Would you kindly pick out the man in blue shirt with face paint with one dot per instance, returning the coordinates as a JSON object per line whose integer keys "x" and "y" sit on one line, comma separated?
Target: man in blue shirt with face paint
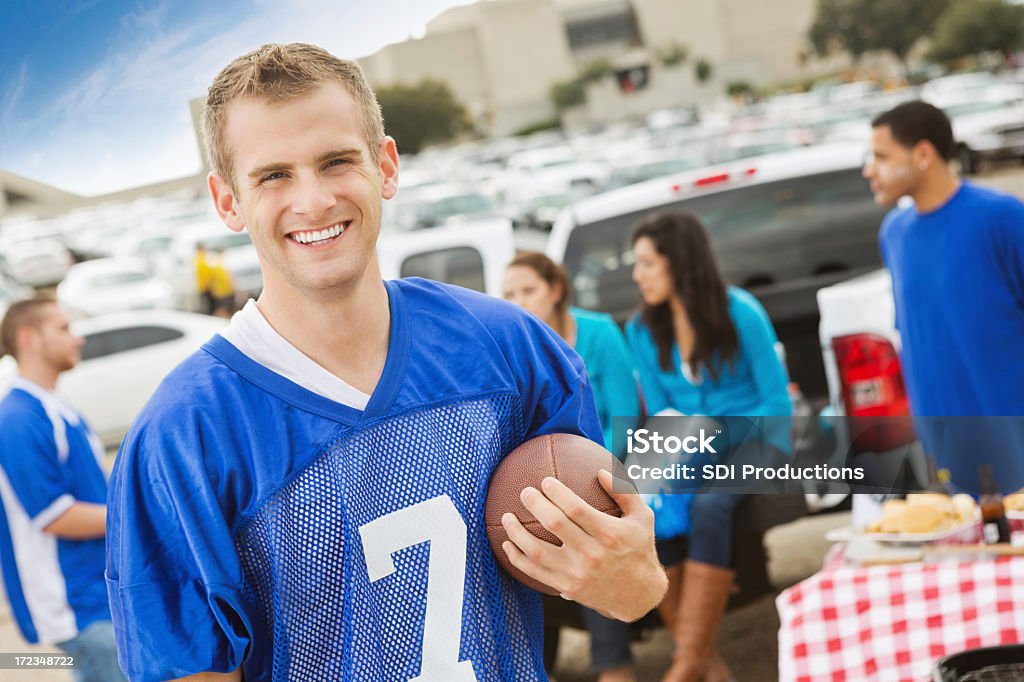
{"x": 957, "y": 262}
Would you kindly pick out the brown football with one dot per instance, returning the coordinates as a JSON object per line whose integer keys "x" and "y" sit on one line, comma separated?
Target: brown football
{"x": 573, "y": 460}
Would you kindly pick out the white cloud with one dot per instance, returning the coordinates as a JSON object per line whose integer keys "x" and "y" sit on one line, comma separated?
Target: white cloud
{"x": 10, "y": 128}
{"x": 125, "y": 122}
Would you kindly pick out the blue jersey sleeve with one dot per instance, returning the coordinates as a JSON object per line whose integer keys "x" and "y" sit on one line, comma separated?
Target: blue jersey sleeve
{"x": 555, "y": 388}
{"x": 28, "y": 454}
{"x": 553, "y": 385}
{"x": 173, "y": 574}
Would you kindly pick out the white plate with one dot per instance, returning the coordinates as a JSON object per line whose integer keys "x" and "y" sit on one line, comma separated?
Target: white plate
{"x": 1015, "y": 514}
{"x": 915, "y": 538}
{"x": 842, "y": 534}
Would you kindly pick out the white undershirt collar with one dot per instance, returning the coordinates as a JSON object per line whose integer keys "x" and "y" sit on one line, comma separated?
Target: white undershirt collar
{"x": 250, "y": 333}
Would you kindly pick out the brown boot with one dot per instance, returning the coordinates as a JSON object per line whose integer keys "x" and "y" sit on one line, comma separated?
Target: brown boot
{"x": 706, "y": 590}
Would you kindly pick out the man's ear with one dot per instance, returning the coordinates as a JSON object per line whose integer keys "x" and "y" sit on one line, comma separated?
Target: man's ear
{"x": 388, "y": 167}
{"x": 25, "y": 338}
{"x": 924, "y": 155}
{"x": 225, "y": 201}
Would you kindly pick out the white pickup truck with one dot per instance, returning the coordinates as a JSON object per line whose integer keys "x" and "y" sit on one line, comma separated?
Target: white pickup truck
{"x": 860, "y": 347}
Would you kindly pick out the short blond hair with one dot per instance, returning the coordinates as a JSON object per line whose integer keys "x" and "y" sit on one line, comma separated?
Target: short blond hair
{"x": 277, "y": 73}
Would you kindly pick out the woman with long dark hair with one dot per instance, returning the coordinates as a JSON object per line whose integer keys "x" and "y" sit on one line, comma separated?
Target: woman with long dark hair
{"x": 701, "y": 347}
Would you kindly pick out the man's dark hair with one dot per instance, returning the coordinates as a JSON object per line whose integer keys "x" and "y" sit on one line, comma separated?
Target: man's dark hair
{"x": 26, "y": 313}
{"x": 912, "y": 122}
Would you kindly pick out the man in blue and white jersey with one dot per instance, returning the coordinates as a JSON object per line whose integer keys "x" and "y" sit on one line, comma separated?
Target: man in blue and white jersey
{"x": 303, "y": 498}
{"x": 53, "y": 498}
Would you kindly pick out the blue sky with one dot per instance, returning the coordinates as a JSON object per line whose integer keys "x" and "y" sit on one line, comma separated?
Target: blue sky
{"x": 94, "y": 93}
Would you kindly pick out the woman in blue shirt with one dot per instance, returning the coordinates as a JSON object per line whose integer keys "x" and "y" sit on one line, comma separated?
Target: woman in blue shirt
{"x": 538, "y": 284}
{"x": 701, "y": 347}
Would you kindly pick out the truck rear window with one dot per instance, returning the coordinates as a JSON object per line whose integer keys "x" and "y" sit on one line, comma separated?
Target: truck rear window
{"x": 763, "y": 234}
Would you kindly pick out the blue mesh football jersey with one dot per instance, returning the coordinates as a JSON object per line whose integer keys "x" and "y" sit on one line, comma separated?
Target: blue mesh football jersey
{"x": 255, "y": 523}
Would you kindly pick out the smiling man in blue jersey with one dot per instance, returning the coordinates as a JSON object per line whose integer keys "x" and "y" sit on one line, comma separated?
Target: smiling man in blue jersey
{"x": 303, "y": 498}
{"x": 52, "y": 498}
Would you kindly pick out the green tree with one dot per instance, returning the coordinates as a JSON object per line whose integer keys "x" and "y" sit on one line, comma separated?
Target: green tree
{"x": 596, "y": 70}
{"x": 861, "y": 26}
{"x": 970, "y": 27}
{"x": 567, "y": 94}
{"x": 418, "y": 115}
{"x": 672, "y": 54}
{"x": 702, "y": 70}
{"x": 739, "y": 89}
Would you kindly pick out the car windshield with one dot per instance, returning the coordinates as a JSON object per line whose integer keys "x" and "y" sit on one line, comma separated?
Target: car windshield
{"x": 745, "y": 224}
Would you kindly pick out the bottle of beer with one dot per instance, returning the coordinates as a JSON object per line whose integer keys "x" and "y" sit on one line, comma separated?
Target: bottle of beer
{"x": 995, "y": 526}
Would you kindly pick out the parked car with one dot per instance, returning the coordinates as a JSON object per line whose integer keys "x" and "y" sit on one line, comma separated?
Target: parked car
{"x": 110, "y": 285}
{"x": 990, "y": 131}
{"x": 436, "y": 205}
{"x": 783, "y": 226}
{"x": 474, "y": 257}
{"x": 11, "y": 290}
{"x": 539, "y": 211}
{"x": 246, "y": 276}
{"x": 554, "y": 168}
{"x": 124, "y": 359}
{"x": 38, "y": 262}
{"x": 149, "y": 245}
{"x": 956, "y": 85}
{"x": 653, "y": 166}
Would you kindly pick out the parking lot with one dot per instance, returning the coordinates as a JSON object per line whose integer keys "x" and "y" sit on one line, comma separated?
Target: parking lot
{"x": 748, "y": 636}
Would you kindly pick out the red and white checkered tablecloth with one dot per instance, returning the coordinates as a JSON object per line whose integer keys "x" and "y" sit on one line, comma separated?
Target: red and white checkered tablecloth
{"x": 891, "y": 623}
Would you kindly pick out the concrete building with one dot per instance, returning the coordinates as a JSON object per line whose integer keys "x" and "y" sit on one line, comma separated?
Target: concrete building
{"x": 501, "y": 57}
{"x": 21, "y": 195}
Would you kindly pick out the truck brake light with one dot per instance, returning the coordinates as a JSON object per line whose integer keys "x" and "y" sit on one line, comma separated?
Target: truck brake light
{"x": 872, "y": 385}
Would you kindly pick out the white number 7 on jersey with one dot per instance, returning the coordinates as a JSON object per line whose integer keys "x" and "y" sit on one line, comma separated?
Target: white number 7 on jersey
{"x": 438, "y": 521}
